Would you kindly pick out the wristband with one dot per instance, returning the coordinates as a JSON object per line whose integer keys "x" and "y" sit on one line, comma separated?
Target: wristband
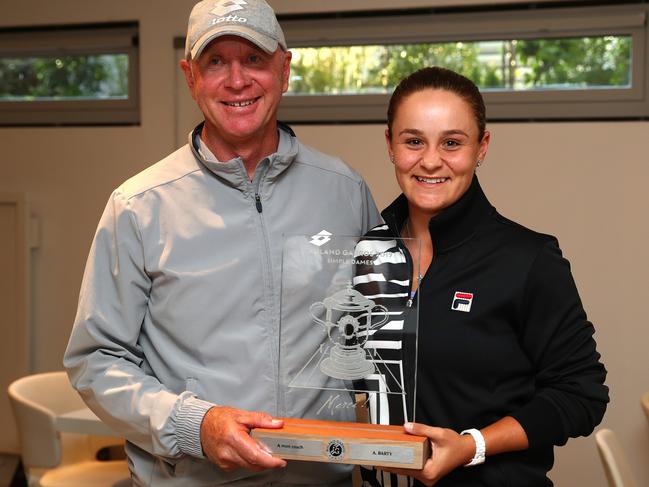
{"x": 480, "y": 447}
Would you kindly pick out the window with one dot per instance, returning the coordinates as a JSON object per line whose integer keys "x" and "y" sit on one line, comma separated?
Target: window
{"x": 530, "y": 63}
{"x": 71, "y": 75}
{"x": 512, "y": 65}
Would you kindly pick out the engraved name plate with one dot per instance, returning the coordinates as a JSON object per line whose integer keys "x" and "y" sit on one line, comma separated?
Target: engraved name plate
{"x": 382, "y": 453}
{"x": 345, "y": 442}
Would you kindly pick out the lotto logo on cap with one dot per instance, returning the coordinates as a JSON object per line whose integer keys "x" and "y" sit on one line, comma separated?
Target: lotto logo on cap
{"x": 462, "y": 301}
{"x": 226, "y": 7}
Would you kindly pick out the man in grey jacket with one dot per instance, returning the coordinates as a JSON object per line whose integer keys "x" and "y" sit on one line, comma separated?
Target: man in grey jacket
{"x": 175, "y": 342}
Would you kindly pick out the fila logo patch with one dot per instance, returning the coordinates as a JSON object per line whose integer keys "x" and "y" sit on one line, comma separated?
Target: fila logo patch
{"x": 462, "y": 301}
{"x": 228, "y": 6}
{"x": 321, "y": 238}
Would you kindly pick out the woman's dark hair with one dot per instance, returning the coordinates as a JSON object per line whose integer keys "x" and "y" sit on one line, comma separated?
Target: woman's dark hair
{"x": 436, "y": 78}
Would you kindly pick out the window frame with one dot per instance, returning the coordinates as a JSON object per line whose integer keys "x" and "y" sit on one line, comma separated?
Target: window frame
{"x": 463, "y": 25}
{"x": 86, "y": 39}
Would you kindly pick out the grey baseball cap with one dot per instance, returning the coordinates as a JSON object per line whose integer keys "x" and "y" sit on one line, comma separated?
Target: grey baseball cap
{"x": 253, "y": 20}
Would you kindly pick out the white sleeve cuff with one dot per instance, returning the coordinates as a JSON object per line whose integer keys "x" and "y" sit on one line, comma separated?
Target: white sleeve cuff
{"x": 188, "y": 425}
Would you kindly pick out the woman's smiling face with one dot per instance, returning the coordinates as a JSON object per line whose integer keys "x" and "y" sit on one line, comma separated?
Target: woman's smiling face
{"x": 435, "y": 147}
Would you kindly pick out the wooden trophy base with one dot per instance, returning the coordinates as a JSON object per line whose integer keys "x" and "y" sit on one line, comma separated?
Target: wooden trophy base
{"x": 356, "y": 443}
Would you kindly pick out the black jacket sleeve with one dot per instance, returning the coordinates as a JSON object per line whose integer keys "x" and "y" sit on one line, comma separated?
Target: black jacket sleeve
{"x": 570, "y": 397}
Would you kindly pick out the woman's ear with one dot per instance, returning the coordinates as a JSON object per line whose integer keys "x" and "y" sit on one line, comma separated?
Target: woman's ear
{"x": 389, "y": 144}
{"x": 484, "y": 145}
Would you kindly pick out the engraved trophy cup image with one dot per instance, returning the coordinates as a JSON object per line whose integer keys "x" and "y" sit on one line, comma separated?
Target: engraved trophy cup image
{"x": 348, "y": 320}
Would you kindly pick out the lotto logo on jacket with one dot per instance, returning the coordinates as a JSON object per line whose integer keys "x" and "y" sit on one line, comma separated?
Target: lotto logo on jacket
{"x": 462, "y": 301}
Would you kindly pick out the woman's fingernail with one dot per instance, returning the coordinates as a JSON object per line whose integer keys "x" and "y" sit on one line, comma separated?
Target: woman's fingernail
{"x": 408, "y": 426}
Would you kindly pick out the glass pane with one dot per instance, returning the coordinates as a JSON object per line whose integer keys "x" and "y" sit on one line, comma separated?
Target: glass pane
{"x": 73, "y": 77}
{"x": 511, "y": 65}
{"x": 347, "y": 355}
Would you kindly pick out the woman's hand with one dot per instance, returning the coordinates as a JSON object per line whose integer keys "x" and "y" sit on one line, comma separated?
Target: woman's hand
{"x": 450, "y": 450}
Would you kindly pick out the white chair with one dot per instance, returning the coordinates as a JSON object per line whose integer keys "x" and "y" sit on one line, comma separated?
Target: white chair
{"x": 617, "y": 468}
{"x": 644, "y": 400}
{"x": 52, "y": 458}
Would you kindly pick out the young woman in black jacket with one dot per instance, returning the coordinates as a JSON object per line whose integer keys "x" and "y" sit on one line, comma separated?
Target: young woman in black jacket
{"x": 507, "y": 365}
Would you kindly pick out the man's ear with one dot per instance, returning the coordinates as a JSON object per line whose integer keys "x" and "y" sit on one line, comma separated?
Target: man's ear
{"x": 286, "y": 70}
{"x": 185, "y": 65}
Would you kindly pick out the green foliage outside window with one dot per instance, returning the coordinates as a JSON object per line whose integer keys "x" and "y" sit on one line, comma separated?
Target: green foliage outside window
{"x": 583, "y": 62}
{"x": 64, "y": 77}
{"x": 573, "y": 63}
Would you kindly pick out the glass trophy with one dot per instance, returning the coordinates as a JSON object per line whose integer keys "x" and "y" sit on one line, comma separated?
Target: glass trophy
{"x": 347, "y": 352}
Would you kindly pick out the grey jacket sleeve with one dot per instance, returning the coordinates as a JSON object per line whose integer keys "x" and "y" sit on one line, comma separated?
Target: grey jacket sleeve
{"x": 103, "y": 358}
{"x": 369, "y": 214}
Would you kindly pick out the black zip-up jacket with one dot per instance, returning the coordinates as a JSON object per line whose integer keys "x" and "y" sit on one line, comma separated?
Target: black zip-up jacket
{"x": 502, "y": 332}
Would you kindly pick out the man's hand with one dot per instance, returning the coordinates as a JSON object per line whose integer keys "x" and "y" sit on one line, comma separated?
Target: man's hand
{"x": 449, "y": 451}
{"x": 226, "y": 441}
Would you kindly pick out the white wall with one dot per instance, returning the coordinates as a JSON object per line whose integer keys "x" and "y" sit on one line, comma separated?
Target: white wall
{"x": 580, "y": 181}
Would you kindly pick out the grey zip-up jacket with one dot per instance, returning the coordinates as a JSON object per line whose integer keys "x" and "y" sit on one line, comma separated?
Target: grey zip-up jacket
{"x": 179, "y": 306}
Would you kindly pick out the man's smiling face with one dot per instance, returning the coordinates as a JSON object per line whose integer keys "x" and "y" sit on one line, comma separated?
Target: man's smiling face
{"x": 238, "y": 87}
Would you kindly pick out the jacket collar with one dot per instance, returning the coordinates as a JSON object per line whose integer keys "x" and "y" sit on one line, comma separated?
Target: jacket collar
{"x": 452, "y": 226}
{"x": 233, "y": 171}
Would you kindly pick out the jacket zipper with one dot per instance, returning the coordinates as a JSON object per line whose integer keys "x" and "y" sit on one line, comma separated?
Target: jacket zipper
{"x": 258, "y": 203}
{"x": 268, "y": 284}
